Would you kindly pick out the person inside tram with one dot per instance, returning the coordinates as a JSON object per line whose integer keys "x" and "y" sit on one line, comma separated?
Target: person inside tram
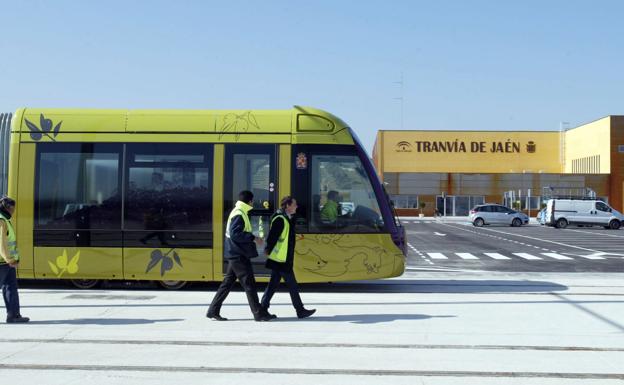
{"x": 331, "y": 211}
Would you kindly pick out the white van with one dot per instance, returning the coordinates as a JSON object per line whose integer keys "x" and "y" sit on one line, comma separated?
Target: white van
{"x": 562, "y": 212}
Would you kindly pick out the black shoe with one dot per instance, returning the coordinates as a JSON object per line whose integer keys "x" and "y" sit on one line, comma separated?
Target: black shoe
{"x": 216, "y": 317}
{"x": 17, "y": 320}
{"x": 305, "y": 313}
{"x": 266, "y": 312}
{"x": 262, "y": 317}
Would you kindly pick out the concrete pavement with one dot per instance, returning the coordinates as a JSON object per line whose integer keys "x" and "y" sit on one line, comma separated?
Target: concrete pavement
{"x": 423, "y": 328}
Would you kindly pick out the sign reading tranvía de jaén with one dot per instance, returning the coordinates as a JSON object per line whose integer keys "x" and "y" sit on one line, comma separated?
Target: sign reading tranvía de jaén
{"x": 456, "y": 146}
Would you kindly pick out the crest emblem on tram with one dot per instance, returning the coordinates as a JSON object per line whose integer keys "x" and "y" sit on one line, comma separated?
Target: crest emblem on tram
{"x": 531, "y": 147}
{"x": 302, "y": 161}
{"x": 403, "y": 146}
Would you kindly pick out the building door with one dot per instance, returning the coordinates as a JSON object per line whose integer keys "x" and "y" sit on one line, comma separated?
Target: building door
{"x": 252, "y": 167}
{"x": 445, "y": 205}
{"x": 462, "y": 206}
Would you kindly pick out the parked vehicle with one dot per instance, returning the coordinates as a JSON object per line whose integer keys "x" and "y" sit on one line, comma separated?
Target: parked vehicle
{"x": 489, "y": 214}
{"x": 586, "y": 212}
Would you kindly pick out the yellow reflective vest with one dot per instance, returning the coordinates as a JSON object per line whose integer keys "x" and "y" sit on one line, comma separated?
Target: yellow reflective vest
{"x": 241, "y": 208}
{"x": 11, "y": 240}
{"x": 280, "y": 250}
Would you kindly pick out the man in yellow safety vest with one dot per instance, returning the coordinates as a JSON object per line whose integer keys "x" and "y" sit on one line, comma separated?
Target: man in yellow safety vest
{"x": 9, "y": 259}
{"x": 280, "y": 251}
{"x": 240, "y": 247}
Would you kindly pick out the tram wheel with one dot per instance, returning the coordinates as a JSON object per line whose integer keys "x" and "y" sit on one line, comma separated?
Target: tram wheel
{"x": 85, "y": 283}
{"x": 172, "y": 285}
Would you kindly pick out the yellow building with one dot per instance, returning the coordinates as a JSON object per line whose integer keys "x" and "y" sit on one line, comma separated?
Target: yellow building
{"x": 452, "y": 171}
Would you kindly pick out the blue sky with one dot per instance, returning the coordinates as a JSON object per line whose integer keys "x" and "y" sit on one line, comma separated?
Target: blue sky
{"x": 486, "y": 65}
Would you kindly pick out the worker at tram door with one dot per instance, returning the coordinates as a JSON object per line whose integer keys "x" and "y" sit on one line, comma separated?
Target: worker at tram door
{"x": 8, "y": 262}
{"x": 240, "y": 248}
{"x": 280, "y": 251}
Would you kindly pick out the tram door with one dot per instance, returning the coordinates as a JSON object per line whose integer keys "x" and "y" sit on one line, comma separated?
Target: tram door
{"x": 252, "y": 167}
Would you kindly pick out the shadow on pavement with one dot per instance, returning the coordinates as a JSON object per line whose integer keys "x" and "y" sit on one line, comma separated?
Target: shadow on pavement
{"x": 364, "y": 318}
{"x": 438, "y": 286}
{"x": 105, "y": 321}
{"x": 379, "y": 286}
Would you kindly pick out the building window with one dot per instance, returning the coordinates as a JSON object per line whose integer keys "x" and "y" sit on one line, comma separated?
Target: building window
{"x": 405, "y": 201}
{"x": 621, "y": 148}
{"x": 531, "y": 203}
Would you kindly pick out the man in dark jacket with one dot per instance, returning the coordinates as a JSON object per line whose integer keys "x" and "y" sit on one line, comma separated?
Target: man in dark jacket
{"x": 240, "y": 247}
{"x": 280, "y": 249}
{"x": 9, "y": 260}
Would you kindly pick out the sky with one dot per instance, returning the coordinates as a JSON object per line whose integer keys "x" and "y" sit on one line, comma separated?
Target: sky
{"x": 465, "y": 65}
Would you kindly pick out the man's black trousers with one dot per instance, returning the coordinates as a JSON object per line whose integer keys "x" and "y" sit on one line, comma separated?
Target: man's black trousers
{"x": 241, "y": 269}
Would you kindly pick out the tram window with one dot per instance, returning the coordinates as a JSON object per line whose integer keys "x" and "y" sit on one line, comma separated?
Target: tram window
{"x": 252, "y": 172}
{"x": 343, "y": 199}
{"x": 78, "y": 186}
{"x": 168, "y": 187}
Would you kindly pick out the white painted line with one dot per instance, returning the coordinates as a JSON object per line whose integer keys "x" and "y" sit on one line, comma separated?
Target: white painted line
{"x": 592, "y": 256}
{"x": 466, "y": 256}
{"x": 527, "y": 256}
{"x": 496, "y": 256}
{"x": 437, "y": 256}
{"x": 440, "y": 234}
{"x": 556, "y": 256}
{"x": 539, "y": 239}
{"x": 599, "y": 232}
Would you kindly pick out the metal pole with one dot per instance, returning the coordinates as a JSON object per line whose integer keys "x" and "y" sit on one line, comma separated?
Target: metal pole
{"x": 400, "y": 98}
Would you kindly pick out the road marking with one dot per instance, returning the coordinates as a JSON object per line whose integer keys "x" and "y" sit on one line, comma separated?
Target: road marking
{"x": 527, "y": 256}
{"x": 421, "y": 255}
{"x": 311, "y": 371}
{"x": 496, "y": 256}
{"x": 593, "y": 256}
{"x": 322, "y": 345}
{"x": 466, "y": 256}
{"x": 556, "y": 256}
{"x": 437, "y": 256}
{"x": 534, "y": 238}
{"x": 440, "y": 234}
{"x": 599, "y": 232}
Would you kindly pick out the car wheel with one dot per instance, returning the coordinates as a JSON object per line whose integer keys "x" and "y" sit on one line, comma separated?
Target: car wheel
{"x": 562, "y": 223}
{"x": 517, "y": 222}
{"x": 172, "y": 285}
{"x": 85, "y": 283}
{"x": 479, "y": 222}
{"x": 614, "y": 224}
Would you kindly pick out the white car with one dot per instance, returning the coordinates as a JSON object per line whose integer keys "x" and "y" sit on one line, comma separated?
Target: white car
{"x": 488, "y": 214}
{"x": 590, "y": 212}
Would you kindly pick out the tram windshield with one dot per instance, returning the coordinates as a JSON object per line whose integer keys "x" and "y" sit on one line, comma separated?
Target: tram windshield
{"x": 343, "y": 199}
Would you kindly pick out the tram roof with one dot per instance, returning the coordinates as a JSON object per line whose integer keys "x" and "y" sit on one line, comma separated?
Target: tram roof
{"x": 296, "y": 120}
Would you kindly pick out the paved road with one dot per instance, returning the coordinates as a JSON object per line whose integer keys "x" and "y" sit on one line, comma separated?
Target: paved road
{"x": 425, "y": 328}
{"x": 454, "y": 245}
